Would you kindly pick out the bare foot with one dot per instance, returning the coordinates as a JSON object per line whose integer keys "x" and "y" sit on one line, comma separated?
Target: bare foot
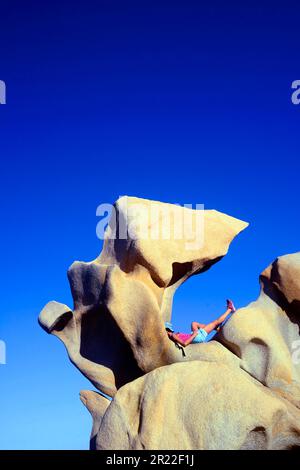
{"x": 230, "y": 305}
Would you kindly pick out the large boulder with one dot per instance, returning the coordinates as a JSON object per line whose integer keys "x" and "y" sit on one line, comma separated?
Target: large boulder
{"x": 243, "y": 396}
{"x": 265, "y": 334}
{"x": 240, "y": 391}
{"x": 197, "y": 405}
{"x": 115, "y": 331}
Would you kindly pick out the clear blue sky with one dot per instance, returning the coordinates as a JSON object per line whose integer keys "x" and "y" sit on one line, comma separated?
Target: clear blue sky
{"x": 178, "y": 101}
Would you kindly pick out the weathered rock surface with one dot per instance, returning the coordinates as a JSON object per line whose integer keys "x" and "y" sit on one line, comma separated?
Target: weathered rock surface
{"x": 198, "y": 405}
{"x": 115, "y": 332}
{"x": 244, "y": 399}
{"x": 240, "y": 391}
{"x": 97, "y": 405}
{"x": 264, "y": 334}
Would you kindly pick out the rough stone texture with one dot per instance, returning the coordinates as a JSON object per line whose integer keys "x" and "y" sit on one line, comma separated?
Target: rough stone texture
{"x": 244, "y": 399}
{"x": 240, "y": 391}
{"x": 97, "y": 405}
{"x": 264, "y": 334}
{"x": 115, "y": 332}
{"x": 198, "y": 405}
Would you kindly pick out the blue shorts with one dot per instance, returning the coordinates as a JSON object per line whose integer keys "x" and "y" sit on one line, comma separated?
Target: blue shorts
{"x": 201, "y": 336}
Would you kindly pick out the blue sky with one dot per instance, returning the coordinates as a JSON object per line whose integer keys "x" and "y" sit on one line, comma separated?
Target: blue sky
{"x": 184, "y": 102}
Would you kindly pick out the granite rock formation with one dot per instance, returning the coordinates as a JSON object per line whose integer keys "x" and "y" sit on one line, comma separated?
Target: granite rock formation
{"x": 115, "y": 332}
{"x": 247, "y": 398}
{"x": 239, "y": 391}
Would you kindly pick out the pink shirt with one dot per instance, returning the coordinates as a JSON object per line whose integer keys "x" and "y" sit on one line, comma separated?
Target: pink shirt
{"x": 183, "y": 336}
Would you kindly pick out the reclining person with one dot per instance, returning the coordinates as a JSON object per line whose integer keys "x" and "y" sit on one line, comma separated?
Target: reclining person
{"x": 199, "y": 330}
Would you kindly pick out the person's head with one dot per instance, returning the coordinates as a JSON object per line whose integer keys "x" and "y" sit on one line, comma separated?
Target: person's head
{"x": 169, "y": 328}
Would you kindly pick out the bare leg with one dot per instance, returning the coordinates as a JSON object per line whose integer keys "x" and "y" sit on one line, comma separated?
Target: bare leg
{"x": 196, "y": 325}
{"x": 214, "y": 324}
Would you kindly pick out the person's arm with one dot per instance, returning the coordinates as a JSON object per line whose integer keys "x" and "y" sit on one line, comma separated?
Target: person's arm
{"x": 184, "y": 343}
{"x": 177, "y": 340}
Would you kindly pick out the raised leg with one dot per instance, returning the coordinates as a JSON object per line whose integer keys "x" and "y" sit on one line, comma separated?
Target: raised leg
{"x": 214, "y": 324}
{"x": 196, "y": 325}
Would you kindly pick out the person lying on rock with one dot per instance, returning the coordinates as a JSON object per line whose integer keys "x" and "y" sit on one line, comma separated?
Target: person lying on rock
{"x": 199, "y": 330}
